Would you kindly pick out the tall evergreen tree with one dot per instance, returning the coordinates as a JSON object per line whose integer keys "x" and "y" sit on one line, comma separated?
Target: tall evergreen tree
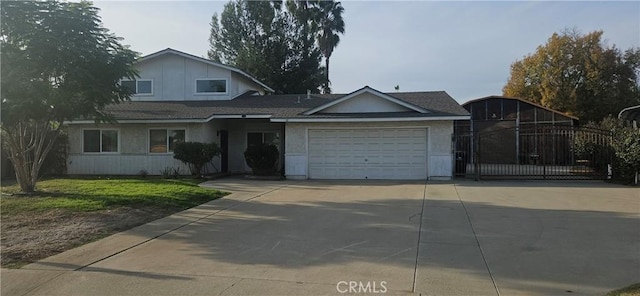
{"x": 266, "y": 40}
{"x": 330, "y": 25}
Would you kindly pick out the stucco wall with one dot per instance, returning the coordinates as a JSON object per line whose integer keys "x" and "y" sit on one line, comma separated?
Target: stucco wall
{"x": 439, "y": 145}
{"x": 238, "y": 129}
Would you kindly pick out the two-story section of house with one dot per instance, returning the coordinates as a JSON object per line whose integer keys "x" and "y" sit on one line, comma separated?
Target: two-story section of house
{"x": 365, "y": 134}
{"x": 166, "y": 108}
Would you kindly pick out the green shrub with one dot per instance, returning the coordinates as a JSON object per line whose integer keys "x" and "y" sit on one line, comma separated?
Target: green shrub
{"x": 196, "y": 155}
{"x": 262, "y": 159}
{"x": 625, "y": 145}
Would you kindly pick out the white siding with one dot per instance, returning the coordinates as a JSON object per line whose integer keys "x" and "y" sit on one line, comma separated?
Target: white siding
{"x": 133, "y": 156}
{"x": 174, "y": 79}
{"x": 365, "y": 102}
{"x": 123, "y": 164}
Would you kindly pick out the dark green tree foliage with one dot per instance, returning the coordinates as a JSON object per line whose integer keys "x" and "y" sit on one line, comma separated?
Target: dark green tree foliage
{"x": 266, "y": 40}
{"x": 579, "y": 75}
{"x": 262, "y": 159}
{"x": 196, "y": 155}
{"x": 58, "y": 63}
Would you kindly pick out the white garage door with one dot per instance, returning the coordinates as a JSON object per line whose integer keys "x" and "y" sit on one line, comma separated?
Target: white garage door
{"x": 368, "y": 154}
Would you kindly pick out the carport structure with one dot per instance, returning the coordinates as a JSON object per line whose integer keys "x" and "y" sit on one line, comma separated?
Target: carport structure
{"x": 514, "y": 138}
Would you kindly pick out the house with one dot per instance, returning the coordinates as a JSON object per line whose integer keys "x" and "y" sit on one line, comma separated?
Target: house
{"x": 365, "y": 134}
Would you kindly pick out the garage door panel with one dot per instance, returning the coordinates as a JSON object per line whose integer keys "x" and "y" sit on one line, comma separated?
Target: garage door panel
{"x": 368, "y": 154}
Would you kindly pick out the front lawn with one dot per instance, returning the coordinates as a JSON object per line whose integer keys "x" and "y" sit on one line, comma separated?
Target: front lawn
{"x": 70, "y": 212}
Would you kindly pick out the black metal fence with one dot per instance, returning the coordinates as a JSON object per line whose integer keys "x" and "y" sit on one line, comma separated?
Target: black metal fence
{"x": 536, "y": 152}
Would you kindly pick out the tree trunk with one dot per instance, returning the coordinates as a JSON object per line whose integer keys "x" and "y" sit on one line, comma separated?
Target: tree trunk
{"x": 28, "y": 143}
{"x": 327, "y": 89}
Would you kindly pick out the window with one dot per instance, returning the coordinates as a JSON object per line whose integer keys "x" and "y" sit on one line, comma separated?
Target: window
{"x": 100, "y": 141}
{"x": 163, "y": 140}
{"x": 211, "y": 86}
{"x": 140, "y": 86}
{"x": 257, "y": 138}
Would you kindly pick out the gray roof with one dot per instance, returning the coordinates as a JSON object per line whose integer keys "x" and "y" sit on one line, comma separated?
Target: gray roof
{"x": 277, "y": 106}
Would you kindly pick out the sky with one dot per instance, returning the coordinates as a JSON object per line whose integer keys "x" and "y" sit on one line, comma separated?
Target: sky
{"x": 463, "y": 48}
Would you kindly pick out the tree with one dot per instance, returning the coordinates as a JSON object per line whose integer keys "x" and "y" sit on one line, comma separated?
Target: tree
{"x": 330, "y": 25}
{"x": 58, "y": 64}
{"x": 266, "y": 40}
{"x": 322, "y": 18}
{"x": 579, "y": 75}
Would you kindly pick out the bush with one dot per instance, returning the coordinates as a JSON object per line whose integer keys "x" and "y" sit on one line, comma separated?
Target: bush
{"x": 262, "y": 159}
{"x": 626, "y": 148}
{"x": 196, "y": 155}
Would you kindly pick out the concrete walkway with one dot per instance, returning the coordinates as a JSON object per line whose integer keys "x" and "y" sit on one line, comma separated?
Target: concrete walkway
{"x": 317, "y": 237}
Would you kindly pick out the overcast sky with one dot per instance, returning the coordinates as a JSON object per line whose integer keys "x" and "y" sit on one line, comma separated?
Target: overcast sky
{"x": 464, "y": 48}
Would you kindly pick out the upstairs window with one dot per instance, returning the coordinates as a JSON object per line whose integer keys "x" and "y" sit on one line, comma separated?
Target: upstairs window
{"x": 139, "y": 86}
{"x": 164, "y": 140}
{"x": 211, "y": 86}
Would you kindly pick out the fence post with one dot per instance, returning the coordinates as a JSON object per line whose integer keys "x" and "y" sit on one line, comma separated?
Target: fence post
{"x": 477, "y": 156}
{"x": 544, "y": 148}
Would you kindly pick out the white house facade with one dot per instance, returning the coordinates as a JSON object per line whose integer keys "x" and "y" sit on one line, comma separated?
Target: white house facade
{"x": 366, "y": 134}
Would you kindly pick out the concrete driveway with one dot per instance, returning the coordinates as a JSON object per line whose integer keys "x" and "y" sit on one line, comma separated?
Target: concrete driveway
{"x": 320, "y": 237}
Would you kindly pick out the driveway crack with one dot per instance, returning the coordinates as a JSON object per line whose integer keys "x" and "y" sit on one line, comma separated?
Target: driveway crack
{"x": 415, "y": 269}
{"x": 230, "y": 286}
{"x": 495, "y": 285}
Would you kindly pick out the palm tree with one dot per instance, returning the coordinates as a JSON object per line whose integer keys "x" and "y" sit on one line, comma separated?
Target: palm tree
{"x": 330, "y": 24}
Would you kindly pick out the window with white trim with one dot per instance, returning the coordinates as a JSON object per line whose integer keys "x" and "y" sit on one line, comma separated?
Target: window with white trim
{"x": 211, "y": 86}
{"x": 258, "y": 138}
{"x": 100, "y": 141}
{"x": 139, "y": 86}
{"x": 164, "y": 140}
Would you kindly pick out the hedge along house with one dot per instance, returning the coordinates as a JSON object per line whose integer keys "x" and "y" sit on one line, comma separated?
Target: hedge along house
{"x": 510, "y": 130}
{"x": 365, "y": 134}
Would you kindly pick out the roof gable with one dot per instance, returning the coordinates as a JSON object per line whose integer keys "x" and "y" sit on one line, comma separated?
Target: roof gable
{"x": 520, "y": 100}
{"x": 206, "y": 61}
{"x": 366, "y": 100}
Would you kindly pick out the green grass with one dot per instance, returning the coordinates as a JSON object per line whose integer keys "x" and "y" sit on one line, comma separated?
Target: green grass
{"x": 86, "y": 195}
{"x": 632, "y": 290}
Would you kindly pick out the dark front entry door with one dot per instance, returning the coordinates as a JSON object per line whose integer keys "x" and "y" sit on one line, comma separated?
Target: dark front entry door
{"x": 224, "y": 146}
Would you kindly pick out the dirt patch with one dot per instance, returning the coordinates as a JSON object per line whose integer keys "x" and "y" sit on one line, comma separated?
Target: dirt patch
{"x": 29, "y": 238}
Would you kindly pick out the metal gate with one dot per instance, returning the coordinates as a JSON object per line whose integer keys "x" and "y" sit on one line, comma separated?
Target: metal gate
{"x": 537, "y": 152}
